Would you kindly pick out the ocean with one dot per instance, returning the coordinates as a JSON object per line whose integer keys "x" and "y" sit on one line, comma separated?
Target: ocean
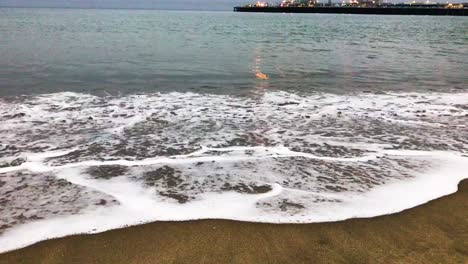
{"x": 111, "y": 118}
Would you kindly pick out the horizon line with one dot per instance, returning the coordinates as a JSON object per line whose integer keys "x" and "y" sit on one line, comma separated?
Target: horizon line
{"x": 112, "y": 8}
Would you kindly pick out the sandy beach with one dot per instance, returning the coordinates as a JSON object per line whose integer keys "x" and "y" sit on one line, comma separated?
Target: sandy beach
{"x": 436, "y": 232}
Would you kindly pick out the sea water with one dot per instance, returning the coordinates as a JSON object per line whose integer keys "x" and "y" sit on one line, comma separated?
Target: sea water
{"x": 110, "y": 118}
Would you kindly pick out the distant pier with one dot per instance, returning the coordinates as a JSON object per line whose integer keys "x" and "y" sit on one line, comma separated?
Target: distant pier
{"x": 432, "y": 11}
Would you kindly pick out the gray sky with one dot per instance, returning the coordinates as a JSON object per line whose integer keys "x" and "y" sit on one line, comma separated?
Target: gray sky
{"x": 158, "y": 4}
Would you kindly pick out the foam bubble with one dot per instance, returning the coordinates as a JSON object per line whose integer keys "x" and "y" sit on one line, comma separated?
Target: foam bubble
{"x": 79, "y": 163}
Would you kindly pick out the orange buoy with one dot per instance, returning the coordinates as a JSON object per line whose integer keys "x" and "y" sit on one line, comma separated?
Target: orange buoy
{"x": 261, "y": 76}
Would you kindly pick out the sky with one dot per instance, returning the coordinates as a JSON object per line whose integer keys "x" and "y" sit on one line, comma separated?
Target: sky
{"x": 145, "y": 4}
{"x": 150, "y": 4}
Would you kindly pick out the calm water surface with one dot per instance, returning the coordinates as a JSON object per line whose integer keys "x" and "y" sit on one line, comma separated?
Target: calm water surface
{"x": 49, "y": 50}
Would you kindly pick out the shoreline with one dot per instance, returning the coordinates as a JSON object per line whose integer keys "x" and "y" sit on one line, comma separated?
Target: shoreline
{"x": 436, "y": 231}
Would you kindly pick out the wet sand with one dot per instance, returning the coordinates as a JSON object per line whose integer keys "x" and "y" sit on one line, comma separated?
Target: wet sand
{"x": 436, "y": 232}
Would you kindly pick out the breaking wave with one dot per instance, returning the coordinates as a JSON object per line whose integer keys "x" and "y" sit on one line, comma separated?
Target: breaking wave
{"x": 76, "y": 163}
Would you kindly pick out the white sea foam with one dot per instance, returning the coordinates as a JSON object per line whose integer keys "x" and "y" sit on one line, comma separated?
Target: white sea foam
{"x": 83, "y": 164}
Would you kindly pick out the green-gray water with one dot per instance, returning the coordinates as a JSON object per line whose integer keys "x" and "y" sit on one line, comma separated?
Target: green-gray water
{"x": 49, "y": 50}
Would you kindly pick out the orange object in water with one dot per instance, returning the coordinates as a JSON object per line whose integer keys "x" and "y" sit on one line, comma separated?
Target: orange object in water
{"x": 261, "y": 76}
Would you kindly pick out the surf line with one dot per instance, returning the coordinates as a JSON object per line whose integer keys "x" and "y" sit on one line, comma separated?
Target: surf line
{"x": 35, "y": 162}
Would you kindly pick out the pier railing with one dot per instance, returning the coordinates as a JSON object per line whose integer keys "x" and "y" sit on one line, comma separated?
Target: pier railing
{"x": 393, "y": 10}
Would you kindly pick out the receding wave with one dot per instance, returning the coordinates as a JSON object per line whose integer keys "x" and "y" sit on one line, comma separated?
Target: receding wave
{"x": 77, "y": 163}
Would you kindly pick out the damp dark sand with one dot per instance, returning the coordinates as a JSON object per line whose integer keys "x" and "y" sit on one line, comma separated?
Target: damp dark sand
{"x": 436, "y": 232}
